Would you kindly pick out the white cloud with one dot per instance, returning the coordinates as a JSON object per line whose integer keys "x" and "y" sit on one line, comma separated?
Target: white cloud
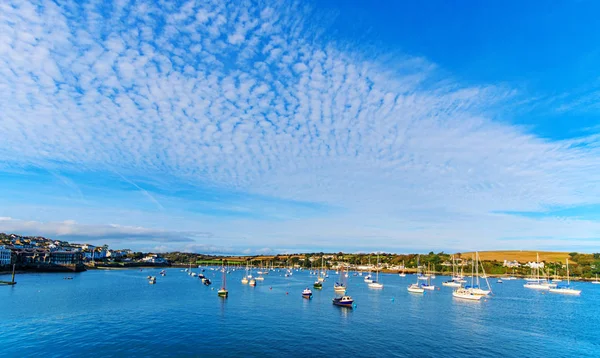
{"x": 217, "y": 98}
{"x": 71, "y": 230}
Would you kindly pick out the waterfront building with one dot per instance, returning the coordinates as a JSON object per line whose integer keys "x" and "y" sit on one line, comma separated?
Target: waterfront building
{"x": 5, "y": 256}
{"x": 155, "y": 259}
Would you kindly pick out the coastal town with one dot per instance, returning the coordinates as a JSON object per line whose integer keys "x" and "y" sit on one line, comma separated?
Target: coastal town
{"x": 38, "y": 253}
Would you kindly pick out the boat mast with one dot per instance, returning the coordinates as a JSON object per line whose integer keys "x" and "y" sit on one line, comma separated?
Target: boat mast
{"x": 477, "y": 268}
{"x": 377, "y": 279}
{"x": 224, "y": 275}
{"x": 568, "y": 280}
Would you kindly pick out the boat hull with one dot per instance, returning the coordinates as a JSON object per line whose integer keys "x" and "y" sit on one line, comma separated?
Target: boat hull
{"x": 469, "y": 297}
{"x": 413, "y": 289}
{"x": 565, "y": 291}
{"x": 346, "y": 304}
{"x": 375, "y": 285}
{"x": 451, "y": 284}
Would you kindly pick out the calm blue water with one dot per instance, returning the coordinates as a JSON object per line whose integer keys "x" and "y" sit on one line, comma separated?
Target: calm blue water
{"x": 117, "y": 313}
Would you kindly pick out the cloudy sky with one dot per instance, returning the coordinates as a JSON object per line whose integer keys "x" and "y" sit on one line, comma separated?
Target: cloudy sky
{"x": 268, "y": 126}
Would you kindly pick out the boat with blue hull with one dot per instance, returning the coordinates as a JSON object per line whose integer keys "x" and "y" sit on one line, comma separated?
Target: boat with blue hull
{"x": 307, "y": 293}
{"x": 344, "y": 301}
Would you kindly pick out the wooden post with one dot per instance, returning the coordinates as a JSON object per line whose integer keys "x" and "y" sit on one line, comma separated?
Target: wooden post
{"x": 13, "y": 274}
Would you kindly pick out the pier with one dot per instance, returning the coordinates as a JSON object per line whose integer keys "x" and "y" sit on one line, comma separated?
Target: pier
{"x": 12, "y": 282}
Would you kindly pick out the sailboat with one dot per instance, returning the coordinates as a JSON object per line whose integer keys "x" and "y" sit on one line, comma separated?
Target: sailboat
{"x": 428, "y": 285}
{"x": 556, "y": 279}
{"x": 340, "y": 287}
{"x": 402, "y": 274}
{"x": 368, "y": 278}
{"x": 245, "y": 278}
{"x": 465, "y": 294}
{"x": 376, "y": 283}
{"x": 415, "y": 288}
{"x": 475, "y": 285}
{"x": 322, "y": 273}
{"x": 319, "y": 282}
{"x": 566, "y": 290}
{"x": 223, "y": 290}
{"x": 454, "y": 281}
{"x": 596, "y": 281}
{"x": 535, "y": 283}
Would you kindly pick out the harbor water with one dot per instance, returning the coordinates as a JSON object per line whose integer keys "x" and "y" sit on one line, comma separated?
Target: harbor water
{"x": 117, "y": 313}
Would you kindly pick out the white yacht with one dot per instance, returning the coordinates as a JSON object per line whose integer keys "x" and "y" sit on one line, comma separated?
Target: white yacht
{"x": 566, "y": 290}
{"x": 465, "y": 294}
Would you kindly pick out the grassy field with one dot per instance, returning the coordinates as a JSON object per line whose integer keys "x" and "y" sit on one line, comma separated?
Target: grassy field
{"x": 521, "y": 256}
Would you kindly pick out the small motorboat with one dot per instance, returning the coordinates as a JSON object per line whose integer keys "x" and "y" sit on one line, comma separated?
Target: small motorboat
{"x": 344, "y": 301}
{"x": 152, "y": 280}
{"x": 307, "y": 293}
{"x": 206, "y": 282}
{"x": 318, "y": 285}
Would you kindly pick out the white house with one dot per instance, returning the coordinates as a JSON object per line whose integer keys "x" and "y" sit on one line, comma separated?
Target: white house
{"x": 535, "y": 265}
{"x": 513, "y": 263}
{"x": 154, "y": 259}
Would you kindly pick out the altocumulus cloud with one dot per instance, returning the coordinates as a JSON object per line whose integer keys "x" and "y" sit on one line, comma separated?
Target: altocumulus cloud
{"x": 255, "y": 97}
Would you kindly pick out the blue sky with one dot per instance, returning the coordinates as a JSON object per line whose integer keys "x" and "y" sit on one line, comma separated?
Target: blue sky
{"x": 267, "y": 127}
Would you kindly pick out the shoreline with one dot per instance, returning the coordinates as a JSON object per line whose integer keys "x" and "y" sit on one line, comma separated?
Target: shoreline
{"x": 393, "y": 272}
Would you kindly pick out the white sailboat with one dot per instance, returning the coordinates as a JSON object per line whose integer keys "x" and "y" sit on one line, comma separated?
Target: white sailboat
{"x": 453, "y": 282}
{"x": 368, "y": 278}
{"x": 475, "y": 284}
{"x": 376, "y": 283}
{"x": 566, "y": 290}
{"x": 340, "y": 287}
{"x": 415, "y": 287}
{"x": 535, "y": 283}
{"x": 427, "y": 285}
{"x": 596, "y": 282}
{"x": 465, "y": 294}
{"x": 402, "y": 274}
{"x": 245, "y": 278}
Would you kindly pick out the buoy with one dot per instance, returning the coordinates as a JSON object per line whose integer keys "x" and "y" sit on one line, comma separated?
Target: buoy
{"x": 286, "y": 293}
{"x": 392, "y": 299}
{"x": 270, "y": 288}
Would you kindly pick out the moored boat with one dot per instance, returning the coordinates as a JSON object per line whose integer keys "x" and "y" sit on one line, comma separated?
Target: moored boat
{"x": 222, "y": 292}
{"x": 415, "y": 288}
{"x": 307, "y": 293}
{"x": 465, "y": 294}
{"x": 344, "y": 301}
{"x": 566, "y": 290}
{"x": 376, "y": 283}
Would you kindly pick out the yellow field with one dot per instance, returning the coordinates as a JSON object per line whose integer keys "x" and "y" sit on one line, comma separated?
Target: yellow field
{"x": 521, "y": 256}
